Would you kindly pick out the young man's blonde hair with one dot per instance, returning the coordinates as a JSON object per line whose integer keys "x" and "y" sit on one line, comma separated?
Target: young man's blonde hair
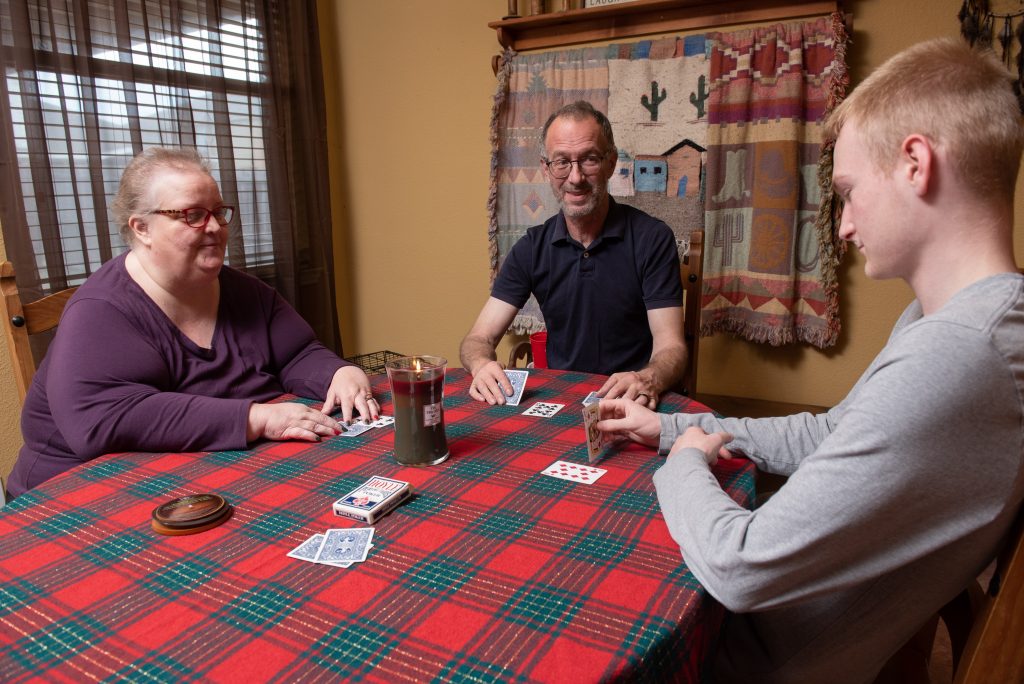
{"x": 960, "y": 98}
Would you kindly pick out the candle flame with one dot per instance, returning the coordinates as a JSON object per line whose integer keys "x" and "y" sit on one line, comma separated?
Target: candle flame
{"x": 416, "y": 364}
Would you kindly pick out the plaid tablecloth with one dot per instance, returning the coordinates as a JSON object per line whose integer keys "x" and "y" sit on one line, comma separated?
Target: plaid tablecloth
{"x": 493, "y": 572}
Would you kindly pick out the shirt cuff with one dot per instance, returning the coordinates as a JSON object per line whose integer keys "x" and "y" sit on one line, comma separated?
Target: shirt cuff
{"x": 668, "y": 434}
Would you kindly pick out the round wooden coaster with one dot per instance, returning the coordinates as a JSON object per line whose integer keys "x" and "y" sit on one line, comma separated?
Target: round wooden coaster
{"x": 190, "y": 514}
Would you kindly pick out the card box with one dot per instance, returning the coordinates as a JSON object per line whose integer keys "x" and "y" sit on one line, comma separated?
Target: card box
{"x": 372, "y": 499}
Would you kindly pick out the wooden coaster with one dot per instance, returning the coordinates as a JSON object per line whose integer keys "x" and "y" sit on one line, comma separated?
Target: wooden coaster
{"x": 191, "y": 514}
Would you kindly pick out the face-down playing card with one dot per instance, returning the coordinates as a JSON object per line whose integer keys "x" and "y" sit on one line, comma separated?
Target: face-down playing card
{"x": 518, "y": 380}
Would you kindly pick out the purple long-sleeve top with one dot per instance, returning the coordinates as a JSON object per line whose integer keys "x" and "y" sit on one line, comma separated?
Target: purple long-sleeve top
{"x": 120, "y": 376}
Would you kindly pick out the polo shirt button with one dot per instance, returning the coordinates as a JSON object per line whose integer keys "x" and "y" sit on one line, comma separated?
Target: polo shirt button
{"x": 586, "y": 255}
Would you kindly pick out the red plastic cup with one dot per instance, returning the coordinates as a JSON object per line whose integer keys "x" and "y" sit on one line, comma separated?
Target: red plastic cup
{"x": 539, "y": 347}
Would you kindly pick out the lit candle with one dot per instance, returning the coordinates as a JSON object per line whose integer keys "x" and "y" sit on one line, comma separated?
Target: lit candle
{"x": 417, "y": 393}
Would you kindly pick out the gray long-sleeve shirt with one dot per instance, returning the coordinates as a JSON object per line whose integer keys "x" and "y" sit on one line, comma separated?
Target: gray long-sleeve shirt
{"x": 897, "y": 497}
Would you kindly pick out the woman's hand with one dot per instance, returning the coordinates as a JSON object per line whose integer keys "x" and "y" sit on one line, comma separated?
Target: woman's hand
{"x": 289, "y": 420}
{"x": 350, "y": 391}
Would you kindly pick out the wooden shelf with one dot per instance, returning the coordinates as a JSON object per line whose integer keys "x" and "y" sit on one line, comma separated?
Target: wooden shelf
{"x": 645, "y": 17}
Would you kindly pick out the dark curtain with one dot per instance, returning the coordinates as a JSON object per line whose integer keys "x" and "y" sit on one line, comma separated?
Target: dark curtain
{"x": 89, "y": 83}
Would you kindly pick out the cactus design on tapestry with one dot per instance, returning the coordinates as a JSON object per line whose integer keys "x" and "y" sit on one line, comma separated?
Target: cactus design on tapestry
{"x": 698, "y": 98}
{"x": 655, "y": 100}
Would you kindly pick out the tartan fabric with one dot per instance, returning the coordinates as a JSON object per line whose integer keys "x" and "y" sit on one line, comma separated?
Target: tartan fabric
{"x": 492, "y": 572}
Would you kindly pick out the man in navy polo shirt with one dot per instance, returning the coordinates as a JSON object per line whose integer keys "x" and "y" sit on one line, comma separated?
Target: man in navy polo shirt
{"x": 606, "y": 276}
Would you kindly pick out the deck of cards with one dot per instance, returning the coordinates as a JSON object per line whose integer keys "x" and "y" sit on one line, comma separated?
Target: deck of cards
{"x": 340, "y": 548}
{"x": 372, "y": 499}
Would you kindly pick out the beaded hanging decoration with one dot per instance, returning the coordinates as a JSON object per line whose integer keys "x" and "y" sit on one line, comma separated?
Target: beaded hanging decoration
{"x": 979, "y": 25}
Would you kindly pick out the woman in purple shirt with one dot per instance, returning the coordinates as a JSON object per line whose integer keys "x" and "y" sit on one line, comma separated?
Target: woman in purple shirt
{"x": 165, "y": 348}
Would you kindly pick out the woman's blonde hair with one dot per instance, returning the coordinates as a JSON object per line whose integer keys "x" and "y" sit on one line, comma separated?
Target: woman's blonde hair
{"x": 136, "y": 181}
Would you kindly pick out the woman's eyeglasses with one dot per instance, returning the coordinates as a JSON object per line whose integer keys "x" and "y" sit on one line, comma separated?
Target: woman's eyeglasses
{"x": 198, "y": 217}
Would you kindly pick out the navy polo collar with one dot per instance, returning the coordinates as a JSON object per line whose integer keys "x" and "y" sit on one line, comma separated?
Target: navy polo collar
{"x": 614, "y": 226}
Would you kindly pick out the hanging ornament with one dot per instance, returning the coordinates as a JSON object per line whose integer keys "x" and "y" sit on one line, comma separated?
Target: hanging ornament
{"x": 978, "y": 27}
{"x": 1005, "y": 38}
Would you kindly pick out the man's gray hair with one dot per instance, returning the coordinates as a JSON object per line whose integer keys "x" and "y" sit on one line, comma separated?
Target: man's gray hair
{"x": 577, "y": 111}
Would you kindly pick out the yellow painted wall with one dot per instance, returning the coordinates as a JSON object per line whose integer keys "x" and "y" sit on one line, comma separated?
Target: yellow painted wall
{"x": 409, "y": 88}
{"x": 410, "y": 98}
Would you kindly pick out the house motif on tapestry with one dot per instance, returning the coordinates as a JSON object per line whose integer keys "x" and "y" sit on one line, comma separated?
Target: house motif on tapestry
{"x": 650, "y": 173}
{"x": 621, "y": 182}
{"x": 685, "y": 162}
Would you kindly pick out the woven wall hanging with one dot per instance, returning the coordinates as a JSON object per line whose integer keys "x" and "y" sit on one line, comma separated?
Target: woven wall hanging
{"x": 981, "y": 25}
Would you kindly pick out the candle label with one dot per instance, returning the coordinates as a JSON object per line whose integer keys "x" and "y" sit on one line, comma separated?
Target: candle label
{"x": 431, "y": 414}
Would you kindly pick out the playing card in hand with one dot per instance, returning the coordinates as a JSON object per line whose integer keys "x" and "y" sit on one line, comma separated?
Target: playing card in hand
{"x": 518, "y": 380}
{"x": 356, "y": 429}
{"x": 591, "y": 398}
{"x": 596, "y": 440}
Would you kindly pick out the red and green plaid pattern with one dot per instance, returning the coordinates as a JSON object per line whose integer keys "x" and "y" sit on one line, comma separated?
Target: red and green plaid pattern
{"x": 491, "y": 572}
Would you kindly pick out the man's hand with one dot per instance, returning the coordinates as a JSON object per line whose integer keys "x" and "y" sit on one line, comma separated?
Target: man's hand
{"x": 628, "y": 418}
{"x": 636, "y": 386}
{"x": 713, "y": 444}
{"x": 350, "y": 391}
{"x": 289, "y": 420}
{"x": 490, "y": 384}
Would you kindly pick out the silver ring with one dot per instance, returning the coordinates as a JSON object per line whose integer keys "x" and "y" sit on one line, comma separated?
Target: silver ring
{"x": 641, "y": 394}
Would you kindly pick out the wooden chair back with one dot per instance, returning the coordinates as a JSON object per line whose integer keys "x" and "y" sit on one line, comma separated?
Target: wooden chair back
{"x": 995, "y": 643}
{"x": 23, "y": 320}
{"x": 691, "y": 269}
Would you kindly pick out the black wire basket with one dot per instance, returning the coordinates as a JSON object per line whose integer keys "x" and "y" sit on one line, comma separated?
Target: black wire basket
{"x": 374, "y": 361}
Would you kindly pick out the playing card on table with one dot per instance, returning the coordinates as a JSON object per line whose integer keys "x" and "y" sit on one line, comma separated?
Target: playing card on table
{"x": 518, "y": 380}
{"x": 383, "y": 421}
{"x": 591, "y": 398}
{"x": 307, "y": 550}
{"x": 574, "y": 472}
{"x": 356, "y": 429}
{"x": 543, "y": 409}
{"x": 596, "y": 440}
{"x": 345, "y": 545}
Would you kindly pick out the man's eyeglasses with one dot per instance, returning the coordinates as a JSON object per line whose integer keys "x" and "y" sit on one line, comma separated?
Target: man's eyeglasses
{"x": 198, "y": 217}
{"x": 588, "y": 165}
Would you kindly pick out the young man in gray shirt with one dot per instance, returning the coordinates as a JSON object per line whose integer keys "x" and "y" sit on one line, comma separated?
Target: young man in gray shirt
{"x": 901, "y": 494}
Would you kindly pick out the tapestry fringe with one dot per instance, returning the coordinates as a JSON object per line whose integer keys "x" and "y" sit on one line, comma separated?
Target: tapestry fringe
{"x": 832, "y": 247}
{"x": 526, "y": 325}
{"x": 774, "y": 336}
{"x": 500, "y": 97}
